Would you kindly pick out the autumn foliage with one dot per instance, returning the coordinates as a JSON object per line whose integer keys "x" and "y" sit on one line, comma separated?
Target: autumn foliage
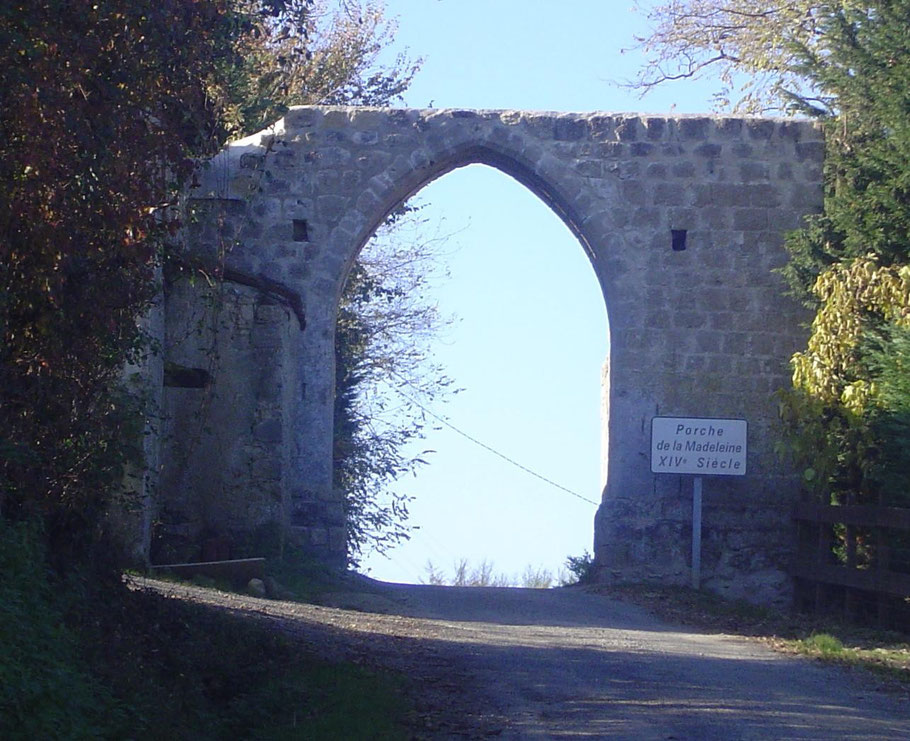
{"x": 105, "y": 105}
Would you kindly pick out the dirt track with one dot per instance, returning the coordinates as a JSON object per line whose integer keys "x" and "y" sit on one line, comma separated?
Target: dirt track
{"x": 536, "y": 664}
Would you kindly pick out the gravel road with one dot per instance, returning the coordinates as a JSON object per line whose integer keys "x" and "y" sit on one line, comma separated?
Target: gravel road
{"x": 561, "y": 663}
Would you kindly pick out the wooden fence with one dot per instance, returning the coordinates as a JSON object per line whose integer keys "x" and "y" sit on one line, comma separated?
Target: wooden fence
{"x": 860, "y": 575}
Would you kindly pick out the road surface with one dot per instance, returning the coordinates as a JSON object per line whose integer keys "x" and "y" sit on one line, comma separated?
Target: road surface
{"x": 565, "y": 663}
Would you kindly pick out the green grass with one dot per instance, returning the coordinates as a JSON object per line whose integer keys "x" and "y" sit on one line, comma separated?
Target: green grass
{"x": 889, "y": 657}
{"x": 81, "y": 659}
{"x": 823, "y": 644}
{"x": 47, "y": 689}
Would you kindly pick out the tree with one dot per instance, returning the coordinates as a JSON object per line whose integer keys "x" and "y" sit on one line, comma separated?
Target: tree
{"x": 383, "y": 377}
{"x": 106, "y": 111}
{"x": 847, "y": 407}
{"x": 325, "y": 54}
{"x": 105, "y": 107}
{"x": 749, "y": 45}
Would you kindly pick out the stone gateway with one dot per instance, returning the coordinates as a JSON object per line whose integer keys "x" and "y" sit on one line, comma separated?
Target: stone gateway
{"x": 682, "y": 219}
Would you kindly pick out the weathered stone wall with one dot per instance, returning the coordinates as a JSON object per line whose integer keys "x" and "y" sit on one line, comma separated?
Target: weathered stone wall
{"x": 700, "y": 331}
{"x": 230, "y": 395}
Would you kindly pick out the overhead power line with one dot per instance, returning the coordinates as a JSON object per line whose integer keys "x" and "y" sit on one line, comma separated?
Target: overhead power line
{"x": 486, "y": 447}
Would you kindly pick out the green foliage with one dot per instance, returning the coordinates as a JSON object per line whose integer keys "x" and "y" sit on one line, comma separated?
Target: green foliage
{"x": 46, "y": 688}
{"x": 86, "y": 659}
{"x": 889, "y": 363}
{"x": 320, "y": 53}
{"x": 105, "y": 107}
{"x": 846, "y": 413}
{"x": 383, "y": 379}
{"x": 861, "y": 71}
{"x": 822, "y": 643}
{"x": 581, "y": 567}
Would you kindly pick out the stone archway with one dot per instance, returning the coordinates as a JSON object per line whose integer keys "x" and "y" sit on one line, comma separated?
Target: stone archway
{"x": 682, "y": 219}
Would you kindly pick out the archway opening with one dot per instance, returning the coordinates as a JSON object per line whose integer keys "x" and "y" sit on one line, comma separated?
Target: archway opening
{"x": 515, "y": 473}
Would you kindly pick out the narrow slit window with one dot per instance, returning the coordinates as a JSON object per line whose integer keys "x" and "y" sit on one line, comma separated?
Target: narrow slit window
{"x": 301, "y": 232}
{"x": 678, "y": 239}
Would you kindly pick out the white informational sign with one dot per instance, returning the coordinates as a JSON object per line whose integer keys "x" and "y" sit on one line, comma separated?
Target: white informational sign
{"x": 704, "y": 447}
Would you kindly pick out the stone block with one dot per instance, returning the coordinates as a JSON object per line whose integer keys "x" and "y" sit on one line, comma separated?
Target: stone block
{"x": 656, "y": 128}
{"x": 693, "y": 129}
{"x": 302, "y": 117}
{"x": 569, "y": 129}
{"x": 760, "y": 129}
{"x": 708, "y": 341}
{"x": 685, "y": 218}
{"x": 750, "y": 219}
{"x": 764, "y": 195}
{"x": 629, "y": 170}
{"x": 273, "y": 186}
{"x": 715, "y": 218}
{"x": 709, "y": 150}
{"x": 266, "y": 467}
{"x": 337, "y": 540}
{"x": 683, "y": 170}
{"x": 318, "y": 536}
{"x": 814, "y": 151}
{"x": 751, "y": 171}
{"x": 628, "y": 129}
{"x": 633, "y": 193}
{"x": 331, "y": 208}
{"x": 742, "y": 150}
{"x": 645, "y": 216}
{"x": 806, "y": 198}
{"x": 731, "y": 128}
{"x": 671, "y": 194}
{"x": 602, "y": 128}
{"x": 590, "y": 168}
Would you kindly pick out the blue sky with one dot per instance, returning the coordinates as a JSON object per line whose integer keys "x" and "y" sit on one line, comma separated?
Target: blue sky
{"x": 531, "y": 333}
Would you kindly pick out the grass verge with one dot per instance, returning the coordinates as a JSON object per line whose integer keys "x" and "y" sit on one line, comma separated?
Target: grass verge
{"x": 80, "y": 659}
{"x": 887, "y": 653}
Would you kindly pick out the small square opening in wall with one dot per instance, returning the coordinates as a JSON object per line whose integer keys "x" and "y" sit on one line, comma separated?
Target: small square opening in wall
{"x": 678, "y": 239}
{"x": 182, "y": 377}
{"x": 301, "y": 231}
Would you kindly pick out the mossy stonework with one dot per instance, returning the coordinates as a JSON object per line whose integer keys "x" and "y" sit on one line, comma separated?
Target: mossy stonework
{"x": 682, "y": 219}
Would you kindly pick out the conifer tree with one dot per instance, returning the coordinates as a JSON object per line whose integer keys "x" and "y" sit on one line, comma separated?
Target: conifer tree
{"x": 852, "y": 263}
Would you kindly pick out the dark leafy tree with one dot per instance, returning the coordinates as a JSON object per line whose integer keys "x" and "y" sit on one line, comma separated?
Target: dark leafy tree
{"x": 104, "y": 107}
{"x": 853, "y": 262}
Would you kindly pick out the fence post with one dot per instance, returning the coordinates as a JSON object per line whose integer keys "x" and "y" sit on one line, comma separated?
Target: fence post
{"x": 850, "y": 602}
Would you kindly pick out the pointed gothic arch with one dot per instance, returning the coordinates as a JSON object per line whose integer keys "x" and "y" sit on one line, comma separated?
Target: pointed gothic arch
{"x": 682, "y": 219}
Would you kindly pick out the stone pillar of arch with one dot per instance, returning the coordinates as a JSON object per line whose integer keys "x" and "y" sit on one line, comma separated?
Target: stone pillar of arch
{"x": 703, "y": 330}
